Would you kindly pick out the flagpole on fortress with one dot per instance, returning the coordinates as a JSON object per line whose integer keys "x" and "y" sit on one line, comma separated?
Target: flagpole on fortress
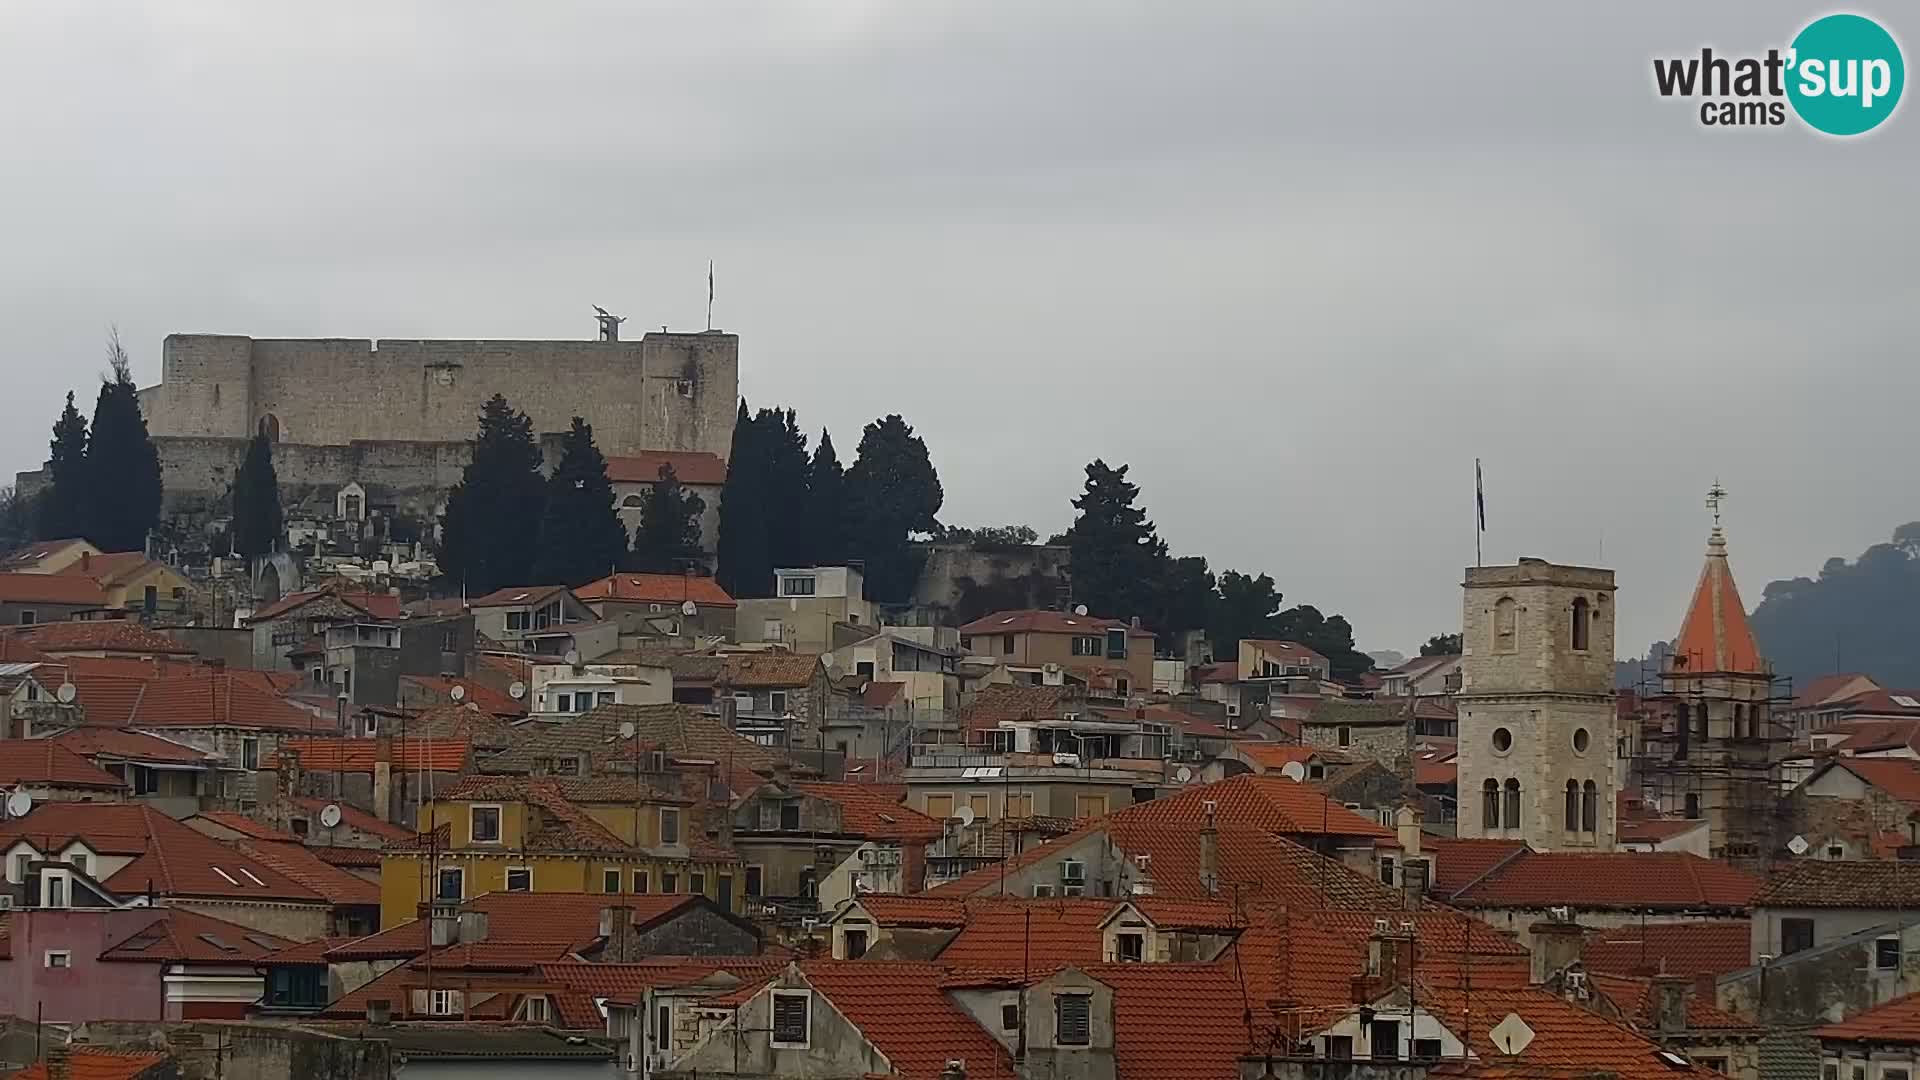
{"x": 709, "y": 295}
{"x": 1479, "y": 511}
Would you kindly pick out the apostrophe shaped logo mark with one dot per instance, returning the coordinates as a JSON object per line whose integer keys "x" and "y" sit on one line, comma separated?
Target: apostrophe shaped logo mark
{"x": 1845, "y": 74}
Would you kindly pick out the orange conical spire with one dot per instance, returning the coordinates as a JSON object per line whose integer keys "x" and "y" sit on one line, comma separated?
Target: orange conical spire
{"x": 1714, "y": 636}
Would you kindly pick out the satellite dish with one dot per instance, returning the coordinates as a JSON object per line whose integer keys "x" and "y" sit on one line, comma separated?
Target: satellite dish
{"x": 1798, "y": 845}
{"x": 67, "y": 693}
{"x": 1294, "y": 771}
{"x": 573, "y": 657}
{"x": 626, "y": 729}
{"x": 458, "y": 693}
{"x": 1080, "y": 609}
{"x": 1183, "y": 774}
{"x": 19, "y": 802}
{"x": 689, "y": 608}
{"x": 330, "y": 815}
{"x": 517, "y": 691}
{"x": 965, "y": 814}
{"x": 1512, "y": 1035}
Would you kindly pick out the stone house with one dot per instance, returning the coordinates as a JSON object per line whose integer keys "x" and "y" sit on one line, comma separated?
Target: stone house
{"x": 698, "y": 473}
{"x": 1381, "y": 730}
{"x": 174, "y": 777}
{"x": 779, "y": 698}
{"x": 812, "y": 844}
{"x": 543, "y": 620}
{"x": 1108, "y": 655}
{"x": 1280, "y": 660}
{"x": 1603, "y": 889}
{"x": 1882, "y": 1043}
{"x": 661, "y": 609}
{"x": 297, "y": 618}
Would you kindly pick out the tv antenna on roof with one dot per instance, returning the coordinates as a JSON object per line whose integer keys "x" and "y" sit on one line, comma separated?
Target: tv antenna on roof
{"x": 609, "y": 323}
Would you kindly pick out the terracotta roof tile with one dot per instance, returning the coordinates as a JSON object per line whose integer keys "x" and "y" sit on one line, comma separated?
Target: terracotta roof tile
{"x": 769, "y": 670}
{"x": 1899, "y": 778}
{"x": 35, "y": 762}
{"x": 517, "y": 596}
{"x": 1204, "y": 1042}
{"x": 996, "y": 938}
{"x": 678, "y": 729}
{"x": 920, "y": 910}
{"x": 878, "y": 695}
{"x": 179, "y": 934}
{"x": 87, "y": 1063}
{"x": 51, "y": 589}
{"x": 568, "y": 919}
{"x": 1897, "y": 1021}
{"x": 465, "y": 722}
{"x": 1048, "y": 622}
{"x": 203, "y": 697}
{"x": 901, "y": 1009}
{"x": 357, "y": 819}
{"x": 1460, "y": 861}
{"x": 110, "y": 567}
{"x": 114, "y": 744}
{"x": 385, "y": 606}
{"x": 171, "y": 858}
{"x": 1273, "y": 756}
{"x": 689, "y": 467}
{"x": 1634, "y": 996}
{"x": 1005, "y": 701}
{"x": 1567, "y": 1039}
{"x": 489, "y": 699}
{"x": 340, "y": 887}
{"x": 674, "y": 589}
{"x": 1269, "y": 802}
{"x": 1714, "y": 635}
{"x": 109, "y": 635}
{"x": 360, "y": 755}
{"x": 234, "y": 821}
{"x": 1823, "y": 883}
{"x": 873, "y": 814}
{"x": 1621, "y": 880}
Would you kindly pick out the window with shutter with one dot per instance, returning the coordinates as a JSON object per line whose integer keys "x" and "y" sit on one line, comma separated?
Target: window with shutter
{"x": 790, "y": 1019}
{"x": 1073, "y": 1019}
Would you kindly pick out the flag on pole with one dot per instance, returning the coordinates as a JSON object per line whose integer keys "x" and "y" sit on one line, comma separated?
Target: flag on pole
{"x": 1479, "y": 495}
{"x": 709, "y": 281}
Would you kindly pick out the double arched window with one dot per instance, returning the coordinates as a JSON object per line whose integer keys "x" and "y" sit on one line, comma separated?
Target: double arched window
{"x": 1583, "y": 807}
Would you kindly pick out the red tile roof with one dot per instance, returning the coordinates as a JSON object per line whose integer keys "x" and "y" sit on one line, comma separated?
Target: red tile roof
{"x": 1899, "y": 778}
{"x": 51, "y": 589}
{"x": 517, "y": 596}
{"x": 1032, "y": 621}
{"x": 1620, "y": 880}
{"x": 117, "y": 745}
{"x": 896, "y": 909}
{"x": 110, "y": 567}
{"x": 878, "y": 695}
{"x": 1005, "y": 701}
{"x": 233, "y": 821}
{"x": 1273, "y": 756}
{"x": 769, "y": 670}
{"x": 1824, "y": 883}
{"x": 360, "y": 755}
{"x": 1291, "y": 650}
{"x": 1714, "y": 635}
{"x": 689, "y": 467}
{"x": 36, "y": 762}
{"x": 1826, "y": 688}
{"x": 497, "y": 702}
{"x": 99, "y": 635}
{"x": 672, "y": 589}
{"x": 1656, "y": 830}
{"x": 296, "y": 861}
{"x": 873, "y": 814}
{"x": 1897, "y": 1021}
{"x": 1460, "y": 861}
{"x": 87, "y": 1063}
{"x": 901, "y": 1009}
{"x": 1567, "y": 1039}
{"x": 996, "y": 938}
{"x": 205, "y": 698}
{"x": 380, "y": 605}
{"x": 357, "y": 819}
{"x": 179, "y": 934}
{"x": 1634, "y": 996}
{"x": 568, "y": 919}
{"x": 1690, "y": 949}
{"x": 1174, "y": 1021}
{"x": 170, "y": 858}
{"x": 1269, "y": 802}
{"x": 1251, "y": 863}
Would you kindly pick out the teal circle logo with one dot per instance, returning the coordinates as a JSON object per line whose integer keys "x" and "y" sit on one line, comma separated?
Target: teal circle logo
{"x": 1845, "y": 74}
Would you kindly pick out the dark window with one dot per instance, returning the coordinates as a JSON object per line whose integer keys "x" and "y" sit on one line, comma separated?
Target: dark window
{"x": 1512, "y": 810}
{"x": 790, "y": 816}
{"x": 1346, "y": 735}
{"x": 519, "y": 879}
{"x": 1885, "y": 1074}
{"x": 669, "y": 826}
{"x": 486, "y": 825}
{"x": 1573, "y": 806}
{"x": 1383, "y": 1040}
{"x": 856, "y": 944}
{"x": 1580, "y": 619}
{"x": 790, "y": 1018}
{"x": 452, "y": 883}
{"x": 669, "y": 883}
{"x": 753, "y": 881}
{"x": 723, "y": 891}
{"x": 1700, "y": 722}
{"x": 1693, "y": 806}
{"x": 1116, "y": 644}
{"x": 1886, "y": 953}
{"x": 1719, "y": 1065}
{"x": 1490, "y": 805}
{"x": 697, "y": 884}
{"x": 1006, "y": 644}
{"x": 1130, "y": 948}
{"x": 639, "y": 882}
{"x": 610, "y": 881}
{"x": 1796, "y": 935}
{"x": 1829, "y": 1072}
{"x": 1590, "y": 808}
{"x": 1426, "y": 1049}
{"x": 1340, "y": 1047}
{"x": 1073, "y": 1019}
{"x": 299, "y": 826}
{"x": 1386, "y": 869}
{"x": 1010, "y": 1017}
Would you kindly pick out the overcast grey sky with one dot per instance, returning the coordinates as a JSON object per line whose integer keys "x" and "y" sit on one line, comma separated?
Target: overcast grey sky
{"x": 1297, "y": 264}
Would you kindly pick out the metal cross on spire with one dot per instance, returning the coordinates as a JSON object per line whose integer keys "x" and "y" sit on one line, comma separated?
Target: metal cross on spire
{"x": 1714, "y": 495}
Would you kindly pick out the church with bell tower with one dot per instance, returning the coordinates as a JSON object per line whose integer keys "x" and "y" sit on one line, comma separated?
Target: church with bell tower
{"x": 1538, "y": 739}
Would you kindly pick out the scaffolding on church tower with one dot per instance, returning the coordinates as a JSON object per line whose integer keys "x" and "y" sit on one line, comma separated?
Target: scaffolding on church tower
{"x": 1707, "y": 738}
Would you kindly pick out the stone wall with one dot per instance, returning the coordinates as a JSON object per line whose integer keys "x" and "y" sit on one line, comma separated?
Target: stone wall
{"x": 959, "y": 583}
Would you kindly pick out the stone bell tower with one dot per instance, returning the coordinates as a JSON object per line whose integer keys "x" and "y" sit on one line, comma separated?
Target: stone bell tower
{"x": 1536, "y": 703}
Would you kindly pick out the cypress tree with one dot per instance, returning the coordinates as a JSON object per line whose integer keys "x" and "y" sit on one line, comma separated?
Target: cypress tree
{"x": 668, "y": 538}
{"x": 892, "y": 491}
{"x": 492, "y": 525}
{"x": 62, "y": 511}
{"x": 826, "y": 515}
{"x": 788, "y": 540}
{"x": 258, "y": 525}
{"x": 123, "y": 468}
{"x": 1119, "y": 561}
{"x": 581, "y": 538}
{"x": 746, "y": 564}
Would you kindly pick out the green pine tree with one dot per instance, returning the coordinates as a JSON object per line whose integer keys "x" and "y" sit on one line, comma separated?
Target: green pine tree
{"x": 492, "y": 526}
{"x": 828, "y": 539}
{"x": 1119, "y": 562}
{"x": 62, "y": 509}
{"x": 581, "y": 538}
{"x": 892, "y": 491}
{"x": 668, "y": 539}
{"x": 746, "y": 563}
{"x": 123, "y": 468}
{"x": 258, "y": 526}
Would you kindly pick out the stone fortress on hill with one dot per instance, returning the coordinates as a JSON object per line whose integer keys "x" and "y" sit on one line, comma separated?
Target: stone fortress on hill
{"x": 398, "y": 417}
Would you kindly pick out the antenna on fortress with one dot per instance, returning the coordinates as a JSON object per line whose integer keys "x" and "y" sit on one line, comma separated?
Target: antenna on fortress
{"x": 609, "y": 323}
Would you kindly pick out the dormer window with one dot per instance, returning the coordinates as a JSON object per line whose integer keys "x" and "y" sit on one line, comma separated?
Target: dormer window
{"x": 1073, "y": 1019}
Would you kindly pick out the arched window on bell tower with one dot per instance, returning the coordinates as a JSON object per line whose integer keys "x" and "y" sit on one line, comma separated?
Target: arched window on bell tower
{"x": 1512, "y": 811}
{"x": 1581, "y": 618}
{"x": 1590, "y": 809}
{"x": 1490, "y": 805}
{"x": 1573, "y": 806}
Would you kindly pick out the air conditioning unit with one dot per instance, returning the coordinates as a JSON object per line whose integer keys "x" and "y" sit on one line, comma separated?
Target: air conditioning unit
{"x": 1043, "y": 890}
{"x": 6, "y": 902}
{"x": 1073, "y": 890}
{"x": 1073, "y": 871}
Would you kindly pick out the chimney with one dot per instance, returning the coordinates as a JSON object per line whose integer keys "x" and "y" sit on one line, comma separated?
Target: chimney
{"x": 1390, "y": 955}
{"x": 59, "y": 1061}
{"x": 379, "y": 1011}
{"x": 383, "y": 777}
{"x": 445, "y": 929}
{"x": 782, "y": 772}
{"x": 287, "y": 776}
{"x": 613, "y": 920}
{"x": 86, "y": 562}
{"x": 1210, "y": 852}
{"x": 1670, "y": 993}
{"x": 472, "y": 928}
{"x": 1556, "y": 944}
{"x": 727, "y": 712}
{"x": 956, "y": 1070}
